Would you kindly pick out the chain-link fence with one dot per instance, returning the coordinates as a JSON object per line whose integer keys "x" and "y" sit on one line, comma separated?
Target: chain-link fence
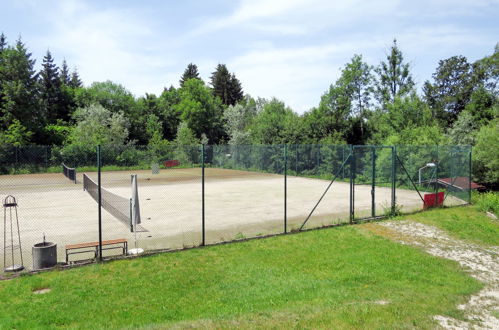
{"x": 186, "y": 196}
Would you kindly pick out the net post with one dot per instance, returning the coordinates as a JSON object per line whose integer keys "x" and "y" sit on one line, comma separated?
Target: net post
{"x": 203, "y": 241}
{"x": 285, "y": 189}
{"x": 131, "y": 216}
{"x": 99, "y": 199}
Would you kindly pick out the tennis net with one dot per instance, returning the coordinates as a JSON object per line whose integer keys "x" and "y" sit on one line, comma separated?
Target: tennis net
{"x": 69, "y": 172}
{"x": 117, "y": 206}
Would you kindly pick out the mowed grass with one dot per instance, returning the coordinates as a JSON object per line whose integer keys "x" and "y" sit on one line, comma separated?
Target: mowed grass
{"x": 339, "y": 277}
{"x": 466, "y": 223}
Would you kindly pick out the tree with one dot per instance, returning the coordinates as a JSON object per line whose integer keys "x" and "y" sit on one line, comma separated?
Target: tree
{"x": 226, "y": 86}
{"x": 3, "y": 42}
{"x": 65, "y": 75}
{"x": 451, "y": 90}
{"x": 50, "y": 91}
{"x": 275, "y": 124}
{"x": 191, "y": 72}
{"x": 394, "y": 77}
{"x": 486, "y": 153}
{"x": 332, "y": 115}
{"x": 404, "y": 113}
{"x": 19, "y": 89}
{"x": 112, "y": 96}
{"x": 97, "y": 125}
{"x": 169, "y": 114}
{"x": 186, "y": 144}
{"x": 463, "y": 130}
{"x": 237, "y": 119}
{"x": 200, "y": 110}
{"x": 15, "y": 135}
{"x": 75, "y": 81}
{"x": 357, "y": 78}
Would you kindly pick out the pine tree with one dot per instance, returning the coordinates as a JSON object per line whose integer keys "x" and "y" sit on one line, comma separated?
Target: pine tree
{"x": 236, "y": 90}
{"x": 226, "y": 86}
{"x": 191, "y": 72}
{"x": 3, "y": 46}
{"x": 65, "y": 75}
{"x": 50, "y": 88}
{"x": 19, "y": 90}
{"x": 75, "y": 81}
{"x": 3, "y": 42}
{"x": 394, "y": 77}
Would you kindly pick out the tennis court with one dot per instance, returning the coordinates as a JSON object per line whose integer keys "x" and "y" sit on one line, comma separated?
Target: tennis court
{"x": 238, "y": 204}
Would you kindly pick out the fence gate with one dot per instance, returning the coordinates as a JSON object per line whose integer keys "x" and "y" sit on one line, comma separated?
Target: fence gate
{"x": 372, "y": 181}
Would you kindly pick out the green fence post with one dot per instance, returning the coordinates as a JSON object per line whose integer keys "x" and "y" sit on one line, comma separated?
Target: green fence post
{"x": 203, "y": 240}
{"x": 99, "y": 192}
{"x": 469, "y": 174}
{"x": 352, "y": 184}
{"x": 285, "y": 189}
{"x": 373, "y": 182}
{"x": 394, "y": 177}
{"x": 436, "y": 178}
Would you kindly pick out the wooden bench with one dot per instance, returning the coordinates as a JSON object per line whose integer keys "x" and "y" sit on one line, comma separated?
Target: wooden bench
{"x": 94, "y": 247}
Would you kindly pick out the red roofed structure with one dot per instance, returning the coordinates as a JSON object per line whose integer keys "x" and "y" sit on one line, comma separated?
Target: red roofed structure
{"x": 461, "y": 183}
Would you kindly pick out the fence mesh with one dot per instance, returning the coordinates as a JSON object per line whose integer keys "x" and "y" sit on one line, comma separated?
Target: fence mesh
{"x": 194, "y": 195}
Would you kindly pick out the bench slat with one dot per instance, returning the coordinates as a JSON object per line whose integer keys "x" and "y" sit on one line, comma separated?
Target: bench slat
{"x": 95, "y": 244}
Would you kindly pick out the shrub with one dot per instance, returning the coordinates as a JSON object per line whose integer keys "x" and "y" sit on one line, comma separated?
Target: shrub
{"x": 487, "y": 202}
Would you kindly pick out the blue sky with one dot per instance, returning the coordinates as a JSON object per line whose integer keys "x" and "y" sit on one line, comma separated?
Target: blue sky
{"x": 289, "y": 49}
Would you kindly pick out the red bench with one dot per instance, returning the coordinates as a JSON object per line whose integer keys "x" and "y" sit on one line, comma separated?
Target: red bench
{"x": 171, "y": 163}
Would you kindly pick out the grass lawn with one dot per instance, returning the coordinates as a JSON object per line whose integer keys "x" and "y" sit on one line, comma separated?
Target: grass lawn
{"x": 466, "y": 223}
{"x": 339, "y": 277}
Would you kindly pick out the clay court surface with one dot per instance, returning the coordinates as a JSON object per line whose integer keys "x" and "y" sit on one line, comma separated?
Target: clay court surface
{"x": 238, "y": 204}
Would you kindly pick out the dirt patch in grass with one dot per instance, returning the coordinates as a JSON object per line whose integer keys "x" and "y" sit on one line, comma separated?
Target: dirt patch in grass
{"x": 480, "y": 262}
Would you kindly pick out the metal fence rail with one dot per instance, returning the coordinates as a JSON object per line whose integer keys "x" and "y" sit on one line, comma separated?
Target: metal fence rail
{"x": 206, "y": 194}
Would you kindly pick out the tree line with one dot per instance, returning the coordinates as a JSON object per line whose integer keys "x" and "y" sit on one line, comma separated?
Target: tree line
{"x": 367, "y": 104}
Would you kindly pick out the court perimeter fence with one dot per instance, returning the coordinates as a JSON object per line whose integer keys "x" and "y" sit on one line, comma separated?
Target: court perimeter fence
{"x": 206, "y": 194}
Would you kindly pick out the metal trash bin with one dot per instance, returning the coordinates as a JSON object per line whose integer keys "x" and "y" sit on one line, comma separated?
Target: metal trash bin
{"x": 44, "y": 255}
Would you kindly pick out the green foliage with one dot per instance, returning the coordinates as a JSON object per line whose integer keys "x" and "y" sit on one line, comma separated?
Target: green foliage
{"x": 15, "y": 135}
{"x": 275, "y": 124}
{"x": 191, "y": 72}
{"x": 186, "y": 144}
{"x": 452, "y": 88}
{"x": 424, "y": 136}
{"x": 486, "y": 153}
{"x": 393, "y": 76}
{"x": 96, "y": 125}
{"x": 200, "y": 110}
{"x": 114, "y": 97}
{"x": 463, "y": 130}
{"x": 51, "y": 93}
{"x": 19, "y": 90}
{"x": 487, "y": 202}
{"x": 226, "y": 86}
{"x": 237, "y": 119}
{"x": 58, "y": 132}
{"x": 402, "y": 115}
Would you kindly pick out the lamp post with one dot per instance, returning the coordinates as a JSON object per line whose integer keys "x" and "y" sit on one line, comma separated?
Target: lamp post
{"x": 422, "y": 168}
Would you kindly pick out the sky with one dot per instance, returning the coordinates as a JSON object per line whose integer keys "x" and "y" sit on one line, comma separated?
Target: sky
{"x": 289, "y": 49}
